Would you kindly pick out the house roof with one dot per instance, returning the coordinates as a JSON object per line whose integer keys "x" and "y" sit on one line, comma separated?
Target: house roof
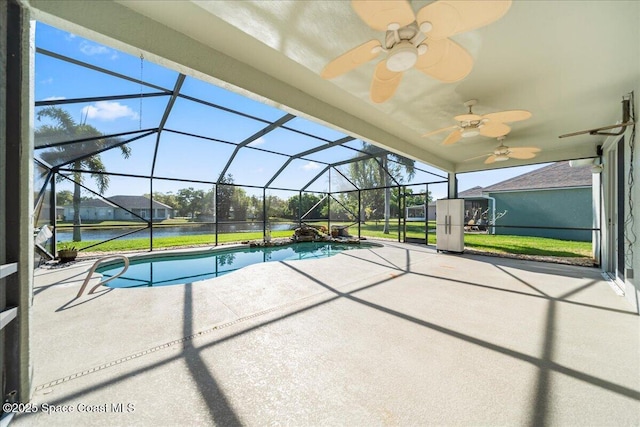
{"x": 471, "y": 193}
{"x": 556, "y": 175}
{"x": 136, "y": 202}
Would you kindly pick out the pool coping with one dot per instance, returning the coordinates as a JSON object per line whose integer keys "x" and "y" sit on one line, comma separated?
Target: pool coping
{"x": 171, "y": 252}
{"x": 210, "y": 249}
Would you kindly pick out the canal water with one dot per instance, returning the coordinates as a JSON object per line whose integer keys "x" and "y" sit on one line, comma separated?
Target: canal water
{"x": 66, "y": 234}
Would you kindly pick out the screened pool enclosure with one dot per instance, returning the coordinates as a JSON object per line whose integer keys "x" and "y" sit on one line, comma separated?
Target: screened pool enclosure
{"x": 131, "y": 155}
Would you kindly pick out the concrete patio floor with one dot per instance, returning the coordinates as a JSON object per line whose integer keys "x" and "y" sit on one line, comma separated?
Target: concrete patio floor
{"x": 397, "y": 335}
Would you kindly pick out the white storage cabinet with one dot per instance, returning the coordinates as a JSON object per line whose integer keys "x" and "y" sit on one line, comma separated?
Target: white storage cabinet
{"x": 450, "y": 225}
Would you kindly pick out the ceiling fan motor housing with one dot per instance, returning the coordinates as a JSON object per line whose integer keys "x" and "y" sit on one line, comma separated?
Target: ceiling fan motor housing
{"x": 402, "y": 46}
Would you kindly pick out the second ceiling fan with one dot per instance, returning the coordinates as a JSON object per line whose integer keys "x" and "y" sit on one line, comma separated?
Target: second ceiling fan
{"x": 491, "y": 125}
{"x": 503, "y": 153}
{"x": 416, "y": 40}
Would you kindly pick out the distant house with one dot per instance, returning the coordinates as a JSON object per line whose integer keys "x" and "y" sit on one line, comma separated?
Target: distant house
{"x": 557, "y": 196}
{"x": 110, "y": 208}
{"x": 140, "y": 206}
{"x": 92, "y": 210}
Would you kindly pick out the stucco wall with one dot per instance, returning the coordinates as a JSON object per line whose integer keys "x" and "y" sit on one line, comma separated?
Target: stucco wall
{"x": 550, "y": 208}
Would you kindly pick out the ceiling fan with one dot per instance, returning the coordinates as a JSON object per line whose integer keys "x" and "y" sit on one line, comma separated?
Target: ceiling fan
{"x": 416, "y": 40}
{"x": 503, "y": 153}
{"x": 491, "y": 125}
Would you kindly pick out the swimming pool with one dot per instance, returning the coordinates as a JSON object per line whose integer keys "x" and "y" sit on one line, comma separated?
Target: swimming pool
{"x": 177, "y": 269}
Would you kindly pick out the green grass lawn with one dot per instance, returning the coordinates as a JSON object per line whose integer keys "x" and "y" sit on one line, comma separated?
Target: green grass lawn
{"x": 85, "y": 223}
{"x": 175, "y": 241}
{"x": 526, "y": 245}
{"x": 491, "y": 243}
{"x": 504, "y": 244}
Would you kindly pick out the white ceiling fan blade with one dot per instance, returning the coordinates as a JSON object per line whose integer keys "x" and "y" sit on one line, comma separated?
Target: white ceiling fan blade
{"x": 384, "y": 83}
{"x": 445, "y": 60}
{"x": 351, "y": 59}
{"x": 378, "y": 14}
{"x": 508, "y": 116}
{"x": 494, "y": 129}
{"x": 452, "y": 17}
{"x": 490, "y": 159}
{"x": 452, "y": 138}
{"x": 439, "y": 131}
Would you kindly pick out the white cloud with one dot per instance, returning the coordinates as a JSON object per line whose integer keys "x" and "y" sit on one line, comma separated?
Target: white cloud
{"x": 107, "y": 111}
{"x": 258, "y": 141}
{"x": 94, "y": 49}
{"x": 70, "y": 36}
{"x": 309, "y": 166}
{"x": 54, "y": 98}
{"x": 47, "y": 81}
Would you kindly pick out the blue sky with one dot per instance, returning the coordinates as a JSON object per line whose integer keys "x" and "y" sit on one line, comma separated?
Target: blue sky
{"x": 184, "y": 156}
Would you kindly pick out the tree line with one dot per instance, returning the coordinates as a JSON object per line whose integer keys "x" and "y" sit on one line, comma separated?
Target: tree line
{"x": 234, "y": 204}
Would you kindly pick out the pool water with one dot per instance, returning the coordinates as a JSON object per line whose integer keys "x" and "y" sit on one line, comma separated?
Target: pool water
{"x": 180, "y": 269}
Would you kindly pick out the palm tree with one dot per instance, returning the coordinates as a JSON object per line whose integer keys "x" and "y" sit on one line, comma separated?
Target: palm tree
{"x": 64, "y": 128}
{"x": 400, "y": 163}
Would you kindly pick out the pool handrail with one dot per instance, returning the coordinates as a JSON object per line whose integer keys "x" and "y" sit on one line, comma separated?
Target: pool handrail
{"x": 102, "y": 282}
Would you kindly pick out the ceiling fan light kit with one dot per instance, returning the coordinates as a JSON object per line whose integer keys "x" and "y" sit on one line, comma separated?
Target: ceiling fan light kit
{"x": 419, "y": 41}
{"x": 470, "y": 132}
{"x": 403, "y": 56}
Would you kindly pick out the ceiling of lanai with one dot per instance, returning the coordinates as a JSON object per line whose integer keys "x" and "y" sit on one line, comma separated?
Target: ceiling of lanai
{"x": 567, "y": 62}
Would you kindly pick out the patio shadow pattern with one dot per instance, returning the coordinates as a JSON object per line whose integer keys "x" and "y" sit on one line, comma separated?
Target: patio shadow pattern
{"x": 393, "y": 335}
